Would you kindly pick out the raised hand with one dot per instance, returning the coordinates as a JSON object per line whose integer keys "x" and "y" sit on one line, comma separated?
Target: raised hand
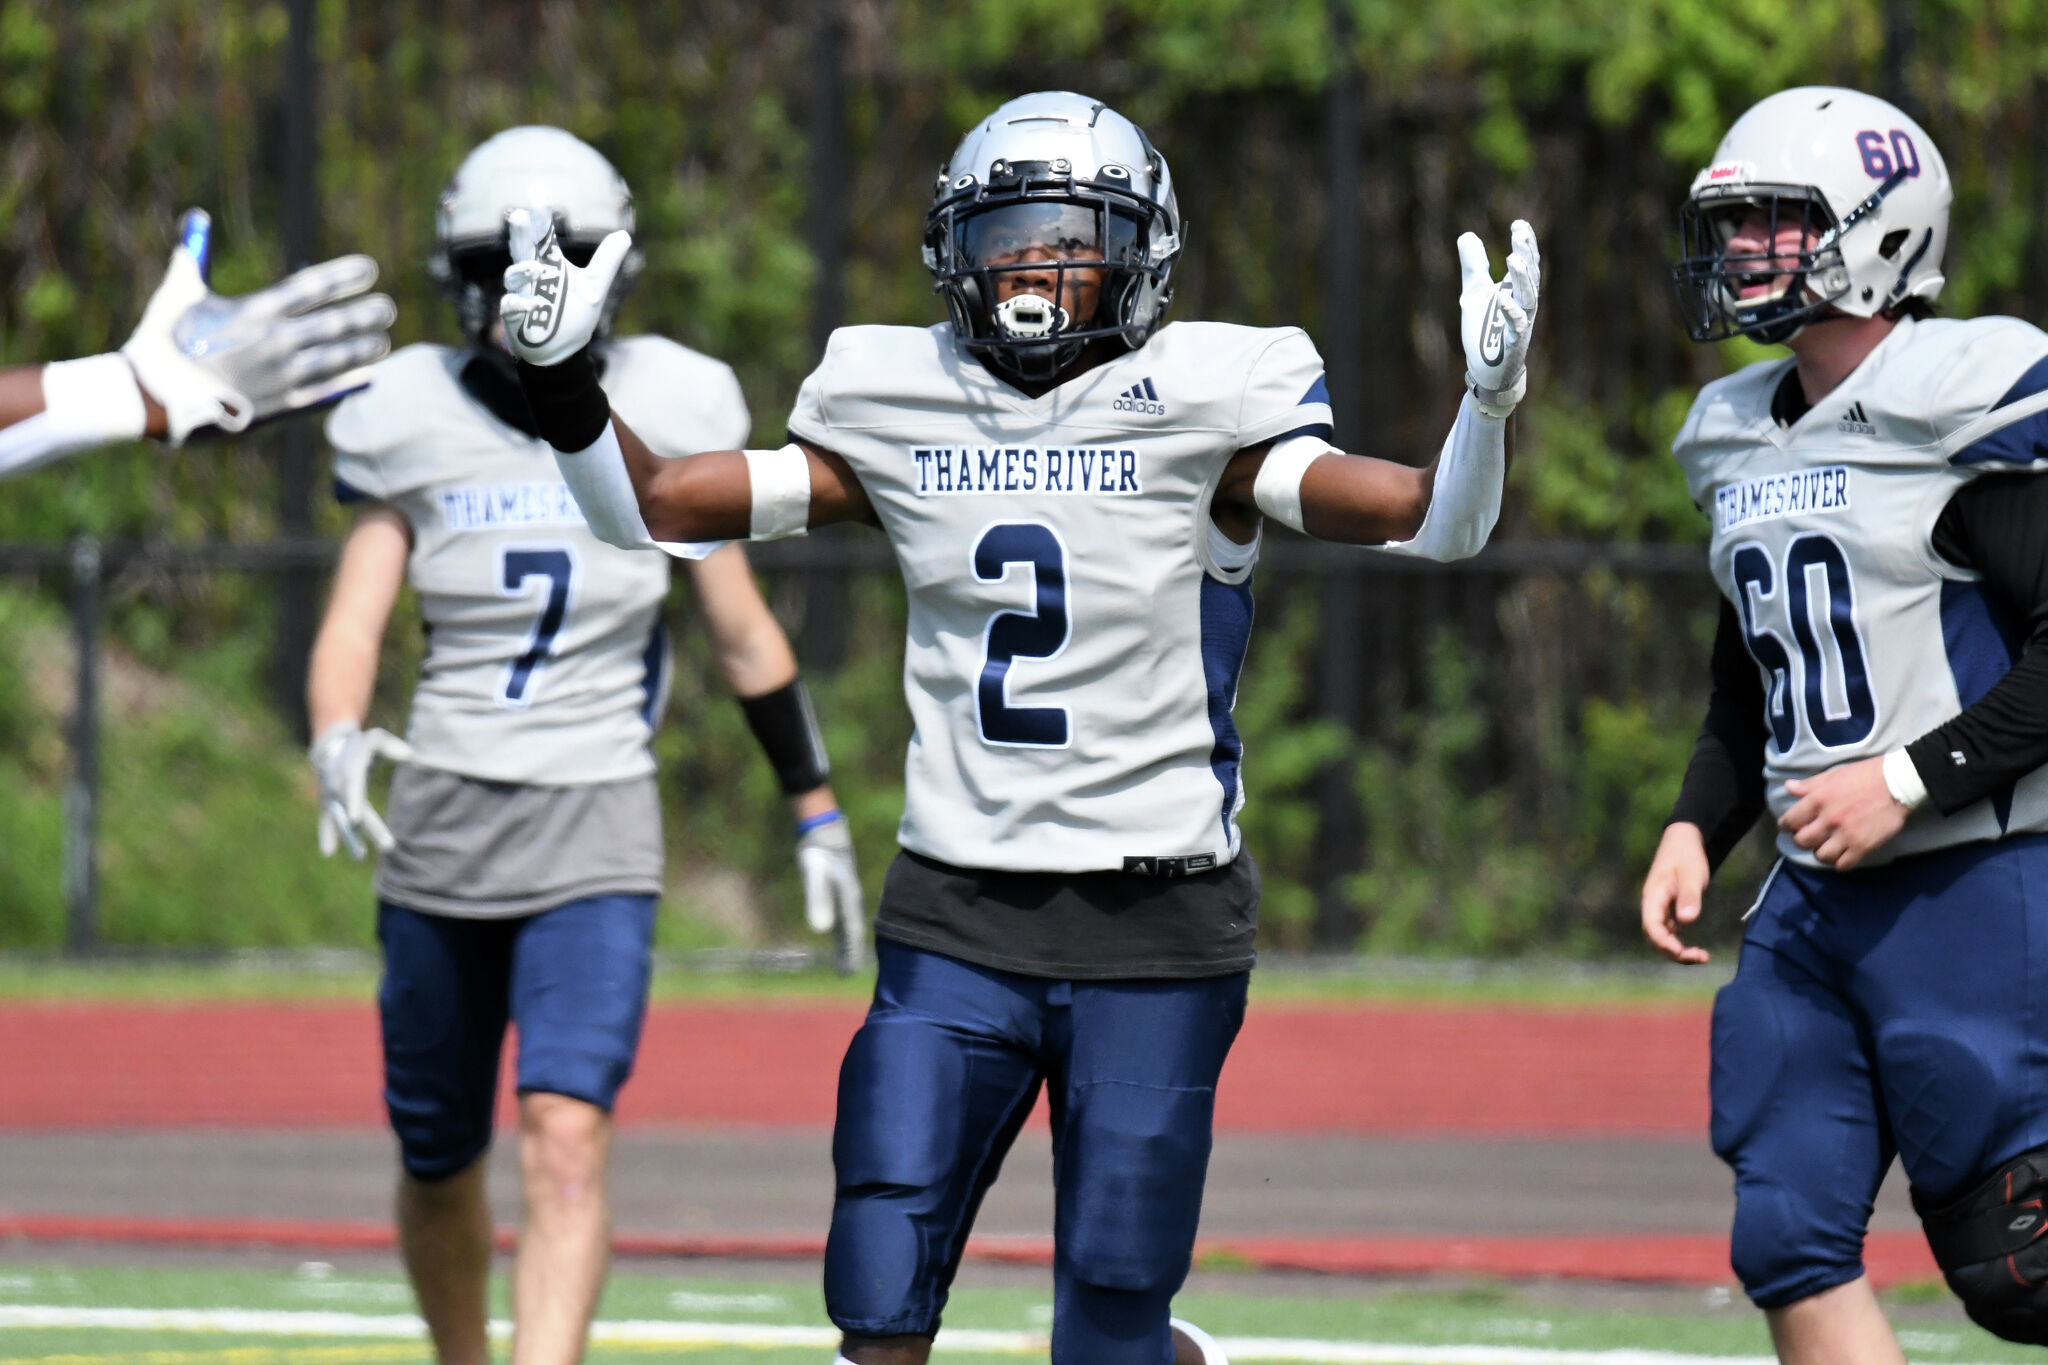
{"x": 1498, "y": 317}
{"x": 229, "y": 363}
{"x": 552, "y": 306}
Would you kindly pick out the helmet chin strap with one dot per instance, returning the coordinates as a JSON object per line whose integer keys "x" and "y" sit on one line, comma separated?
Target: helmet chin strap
{"x": 1030, "y": 317}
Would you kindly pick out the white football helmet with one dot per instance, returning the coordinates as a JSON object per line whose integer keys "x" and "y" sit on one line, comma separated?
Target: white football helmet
{"x": 1865, "y": 182}
{"x": 1048, "y": 185}
{"x": 532, "y": 167}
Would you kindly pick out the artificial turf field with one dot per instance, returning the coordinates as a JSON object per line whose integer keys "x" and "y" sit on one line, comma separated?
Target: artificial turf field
{"x": 318, "y": 1314}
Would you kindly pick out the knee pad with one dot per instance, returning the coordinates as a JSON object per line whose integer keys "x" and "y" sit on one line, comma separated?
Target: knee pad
{"x": 1096, "y": 1326}
{"x": 913, "y": 1148}
{"x": 1992, "y": 1247}
{"x": 1132, "y": 1165}
{"x": 435, "y": 1142}
{"x": 1784, "y": 1250}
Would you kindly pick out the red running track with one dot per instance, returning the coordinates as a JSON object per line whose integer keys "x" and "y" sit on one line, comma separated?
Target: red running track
{"x": 1890, "y": 1257}
{"x": 1503, "y": 1072}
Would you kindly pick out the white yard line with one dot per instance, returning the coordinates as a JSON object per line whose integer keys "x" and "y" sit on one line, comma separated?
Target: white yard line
{"x": 267, "y": 1322}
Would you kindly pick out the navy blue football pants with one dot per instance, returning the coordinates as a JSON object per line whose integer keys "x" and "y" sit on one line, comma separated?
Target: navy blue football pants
{"x": 1899, "y": 1010}
{"x": 936, "y": 1085}
{"x": 573, "y": 978}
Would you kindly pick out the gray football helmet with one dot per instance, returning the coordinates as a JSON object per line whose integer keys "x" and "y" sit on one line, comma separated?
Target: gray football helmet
{"x": 535, "y": 168}
{"x": 1053, "y": 224}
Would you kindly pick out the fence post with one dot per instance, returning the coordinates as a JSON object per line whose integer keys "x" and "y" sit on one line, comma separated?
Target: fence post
{"x": 827, "y": 231}
{"x": 82, "y": 790}
{"x": 1339, "y": 672}
{"x": 298, "y": 589}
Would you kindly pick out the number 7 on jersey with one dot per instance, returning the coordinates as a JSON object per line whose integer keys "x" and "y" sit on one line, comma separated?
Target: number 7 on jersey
{"x": 555, "y": 566}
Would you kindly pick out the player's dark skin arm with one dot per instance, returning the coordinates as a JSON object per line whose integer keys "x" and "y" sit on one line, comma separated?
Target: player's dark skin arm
{"x": 1352, "y": 499}
{"x": 21, "y": 397}
{"x": 711, "y": 496}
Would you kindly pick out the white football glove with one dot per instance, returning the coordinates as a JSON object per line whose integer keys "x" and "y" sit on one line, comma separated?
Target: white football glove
{"x": 832, "y": 896}
{"x": 342, "y": 757}
{"x": 213, "y": 361}
{"x": 1497, "y": 319}
{"x": 551, "y": 305}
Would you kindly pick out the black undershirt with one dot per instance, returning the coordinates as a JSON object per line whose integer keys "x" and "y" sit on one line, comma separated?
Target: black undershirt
{"x": 1075, "y": 925}
{"x": 1996, "y": 526}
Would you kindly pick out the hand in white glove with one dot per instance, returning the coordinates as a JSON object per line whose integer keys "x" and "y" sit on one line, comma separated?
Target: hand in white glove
{"x": 832, "y": 894}
{"x": 552, "y": 306}
{"x": 342, "y": 757}
{"x": 213, "y": 361}
{"x": 1497, "y": 319}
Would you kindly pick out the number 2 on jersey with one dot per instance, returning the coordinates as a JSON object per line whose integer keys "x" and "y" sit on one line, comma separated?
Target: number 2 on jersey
{"x": 1807, "y": 558}
{"x": 555, "y": 565}
{"x": 1011, "y": 635}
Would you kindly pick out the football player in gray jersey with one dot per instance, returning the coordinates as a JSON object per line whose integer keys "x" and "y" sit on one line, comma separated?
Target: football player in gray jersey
{"x": 200, "y": 361}
{"x": 1074, "y": 494}
{"x": 1880, "y": 685}
{"x": 523, "y": 856}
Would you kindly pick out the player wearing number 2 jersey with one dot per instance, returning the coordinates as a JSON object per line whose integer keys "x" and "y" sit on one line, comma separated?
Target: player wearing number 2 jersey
{"x": 518, "y": 876}
{"x": 1879, "y": 685}
{"x": 1074, "y": 494}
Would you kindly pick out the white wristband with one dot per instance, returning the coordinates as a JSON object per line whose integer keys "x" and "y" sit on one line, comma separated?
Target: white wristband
{"x": 86, "y": 404}
{"x": 1277, "y": 490}
{"x": 1902, "y": 780}
{"x": 96, "y": 397}
{"x": 781, "y": 491}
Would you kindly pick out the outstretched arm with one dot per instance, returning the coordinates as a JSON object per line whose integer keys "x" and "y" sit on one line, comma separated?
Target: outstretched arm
{"x": 1446, "y": 509}
{"x": 731, "y": 494}
{"x": 201, "y": 360}
{"x": 51, "y": 412}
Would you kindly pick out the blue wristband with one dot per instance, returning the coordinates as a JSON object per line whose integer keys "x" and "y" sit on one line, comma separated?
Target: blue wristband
{"x": 804, "y": 827}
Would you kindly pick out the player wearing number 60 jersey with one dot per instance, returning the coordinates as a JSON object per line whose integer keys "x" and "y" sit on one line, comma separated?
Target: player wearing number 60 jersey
{"x": 518, "y": 876}
{"x": 1880, "y": 685}
{"x": 1074, "y": 494}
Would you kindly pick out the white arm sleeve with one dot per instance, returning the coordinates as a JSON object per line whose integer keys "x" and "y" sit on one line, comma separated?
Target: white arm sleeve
{"x": 597, "y": 478}
{"x": 86, "y": 404}
{"x": 1465, "y": 502}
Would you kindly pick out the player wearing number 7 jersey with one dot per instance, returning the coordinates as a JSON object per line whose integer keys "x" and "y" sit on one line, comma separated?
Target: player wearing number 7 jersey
{"x": 1074, "y": 494}
{"x": 1880, "y": 686}
{"x": 519, "y": 872}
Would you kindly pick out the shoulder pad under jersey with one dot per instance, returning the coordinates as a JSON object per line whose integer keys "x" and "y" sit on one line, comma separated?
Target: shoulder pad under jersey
{"x": 678, "y": 401}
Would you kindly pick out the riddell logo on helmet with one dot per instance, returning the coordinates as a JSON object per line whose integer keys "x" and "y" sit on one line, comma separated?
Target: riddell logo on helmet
{"x": 1140, "y": 397}
{"x": 1724, "y": 173}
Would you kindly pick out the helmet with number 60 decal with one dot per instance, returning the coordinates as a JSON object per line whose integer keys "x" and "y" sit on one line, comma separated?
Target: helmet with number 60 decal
{"x": 530, "y": 167}
{"x": 1053, "y": 224}
{"x": 1818, "y": 200}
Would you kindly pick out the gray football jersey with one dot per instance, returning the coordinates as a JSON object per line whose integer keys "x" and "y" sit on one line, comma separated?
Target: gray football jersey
{"x": 1073, "y": 646}
{"x": 1823, "y": 540}
{"x": 546, "y": 661}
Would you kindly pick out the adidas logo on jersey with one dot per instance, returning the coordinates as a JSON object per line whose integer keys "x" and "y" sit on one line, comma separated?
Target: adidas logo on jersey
{"x": 1855, "y": 423}
{"x": 1140, "y": 397}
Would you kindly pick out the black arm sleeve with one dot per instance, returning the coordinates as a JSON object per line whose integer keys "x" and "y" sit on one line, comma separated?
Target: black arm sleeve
{"x": 1998, "y": 526}
{"x": 1723, "y": 791}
